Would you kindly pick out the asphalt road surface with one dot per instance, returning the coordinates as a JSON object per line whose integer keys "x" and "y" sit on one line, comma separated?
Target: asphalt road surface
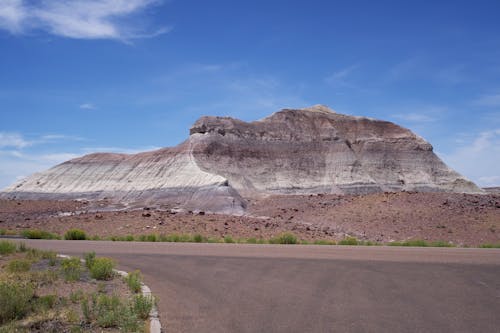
{"x": 276, "y": 288}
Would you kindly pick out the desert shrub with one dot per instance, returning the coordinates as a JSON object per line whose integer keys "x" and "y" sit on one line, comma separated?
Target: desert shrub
{"x": 142, "y": 305}
{"x": 286, "y": 238}
{"x": 348, "y": 241}
{"x": 110, "y": 311}
{"x": 38, "y": 234}
{"x": 442, "y": 244}
{"x": 414, "y": 243}
{"x": 14, "y": 300}
{"x": 152, "y": 238}
{"x": 71, "y": 269}
{"x": 129, "y": 238}
{"x": 490, "y": 246}
{"x": 7, "y": 247}
{"x": 198, "y": 238}
{"x": 228, "y": 239}
{"x": 324, "y": 242}
{"x": 102, "y": 269}
{"x": 18, "y": 265}
{"x": 75, "y": 234}
{"x": 44, "y": 303}
{"x": 213, "y": 240}
{"x": 133, "y": 280}
{"x": 3, "y": 232}
{"x": 48, "y": 255}
{"x": 89, "y": 259}
{"x": 76, "y": 296}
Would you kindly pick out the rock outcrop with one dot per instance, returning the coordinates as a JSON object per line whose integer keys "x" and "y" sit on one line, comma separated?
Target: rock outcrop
{"x": 312, "y": 150}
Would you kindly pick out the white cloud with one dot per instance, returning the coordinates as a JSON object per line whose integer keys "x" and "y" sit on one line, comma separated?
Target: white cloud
{"x": 488, "y": 100}
{"x": 87, "y": 106}
{"x": 479, "y": 158}
{"x": 340, "y": 78}
{"x": 12, "y": 14}
{"x": 14, "y": 140}
{"x": 82, "y": 19}
{"x": 15, "y": 165}
{"x": 415, "y": 117}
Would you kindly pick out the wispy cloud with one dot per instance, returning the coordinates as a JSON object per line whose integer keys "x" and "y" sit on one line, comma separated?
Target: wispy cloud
{"x": 488, "y": 100}
{"x": 87, "y": 106}
{"x": 340, "y": 78}
{"x": 420, "y": 114}
{"x": 478, "y": 159}
{"x": 13, "y": 140}
{"x": 415, "y": 117}
{"x": 81, "y": 19}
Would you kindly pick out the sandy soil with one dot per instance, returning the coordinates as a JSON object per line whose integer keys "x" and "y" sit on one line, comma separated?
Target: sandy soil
{"x": 458, "y": 218}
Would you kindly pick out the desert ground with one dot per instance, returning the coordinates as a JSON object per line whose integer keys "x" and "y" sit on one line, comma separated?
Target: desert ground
{"x": 460, "y": 219}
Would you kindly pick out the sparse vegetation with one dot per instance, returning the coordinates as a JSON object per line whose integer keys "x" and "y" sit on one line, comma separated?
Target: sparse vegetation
{"x": 286, "y": 238}
{"x": 102, "y": 269}
{"x": 490, "y": 246}
{"x": 414, "y": 243}
{"x": 39, "y": 234}
{"x": 89, "y": 259}
{"x": 26, "y": 307}
{"x": 134, "y": 281}
{"x": 228, "y": 239}
{"x": 142, "y": 305}
{"x": 75, "y": 234}
{"x": 7, "y": 247}
{"x": 324, "y": 242}
{"x": 18, "y": 265}
{"x": 349, "y": 241}
{"x": 71, "y": 269}
{"x": 14, "y": 300}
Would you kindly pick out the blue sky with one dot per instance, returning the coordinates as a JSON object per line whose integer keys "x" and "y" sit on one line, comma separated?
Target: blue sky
{"x": 130, "y": 75}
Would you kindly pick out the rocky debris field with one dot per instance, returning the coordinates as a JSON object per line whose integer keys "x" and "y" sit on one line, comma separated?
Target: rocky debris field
{"x": 462, "y": 219}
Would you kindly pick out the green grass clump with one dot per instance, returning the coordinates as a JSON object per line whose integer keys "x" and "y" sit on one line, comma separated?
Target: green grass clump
{"x": 413, "y": 243}
{"x": 14, "y": 300}
{"x": 18, "y": 265}
{"x": 142, "y": 305}
{"x": 7, "y": 247}
{"x": 110, "y": 311}
{"x": 349, "y": 241}
{"x": 152, "y": 238}
{"x": 89, "y": 259}
{"x": 129, "y": 238}
{"x": 228, "y": 239}
{"x": 38, "y": 234}
{"x": 102, "y": 269}
{"x": 442, "y": 244}
{"x": 324, "y": 242}
{"x": 286, "y": 238}
{"x": 490, "y": 246}
{"x": 44, "y": 303}
{"x": 3, "y": 232}
{"x": 134, "y": 281}
{"x": 75, "y": 234}
{"x": 198, "y": 238}
{"x": 71, "y": 269}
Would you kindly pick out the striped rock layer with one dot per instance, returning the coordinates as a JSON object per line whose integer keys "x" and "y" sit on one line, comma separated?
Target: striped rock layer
{"x": 224, "y": 160}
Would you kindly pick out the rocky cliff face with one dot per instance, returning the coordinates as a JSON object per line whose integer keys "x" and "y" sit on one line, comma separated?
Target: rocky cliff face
{"x": 312, "y": 150}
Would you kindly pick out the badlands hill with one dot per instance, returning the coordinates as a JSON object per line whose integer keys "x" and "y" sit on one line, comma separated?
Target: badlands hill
{"x": 225, "y": 160}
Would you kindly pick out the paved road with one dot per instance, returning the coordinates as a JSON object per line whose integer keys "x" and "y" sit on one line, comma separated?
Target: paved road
{"x": 266, "y": 288}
